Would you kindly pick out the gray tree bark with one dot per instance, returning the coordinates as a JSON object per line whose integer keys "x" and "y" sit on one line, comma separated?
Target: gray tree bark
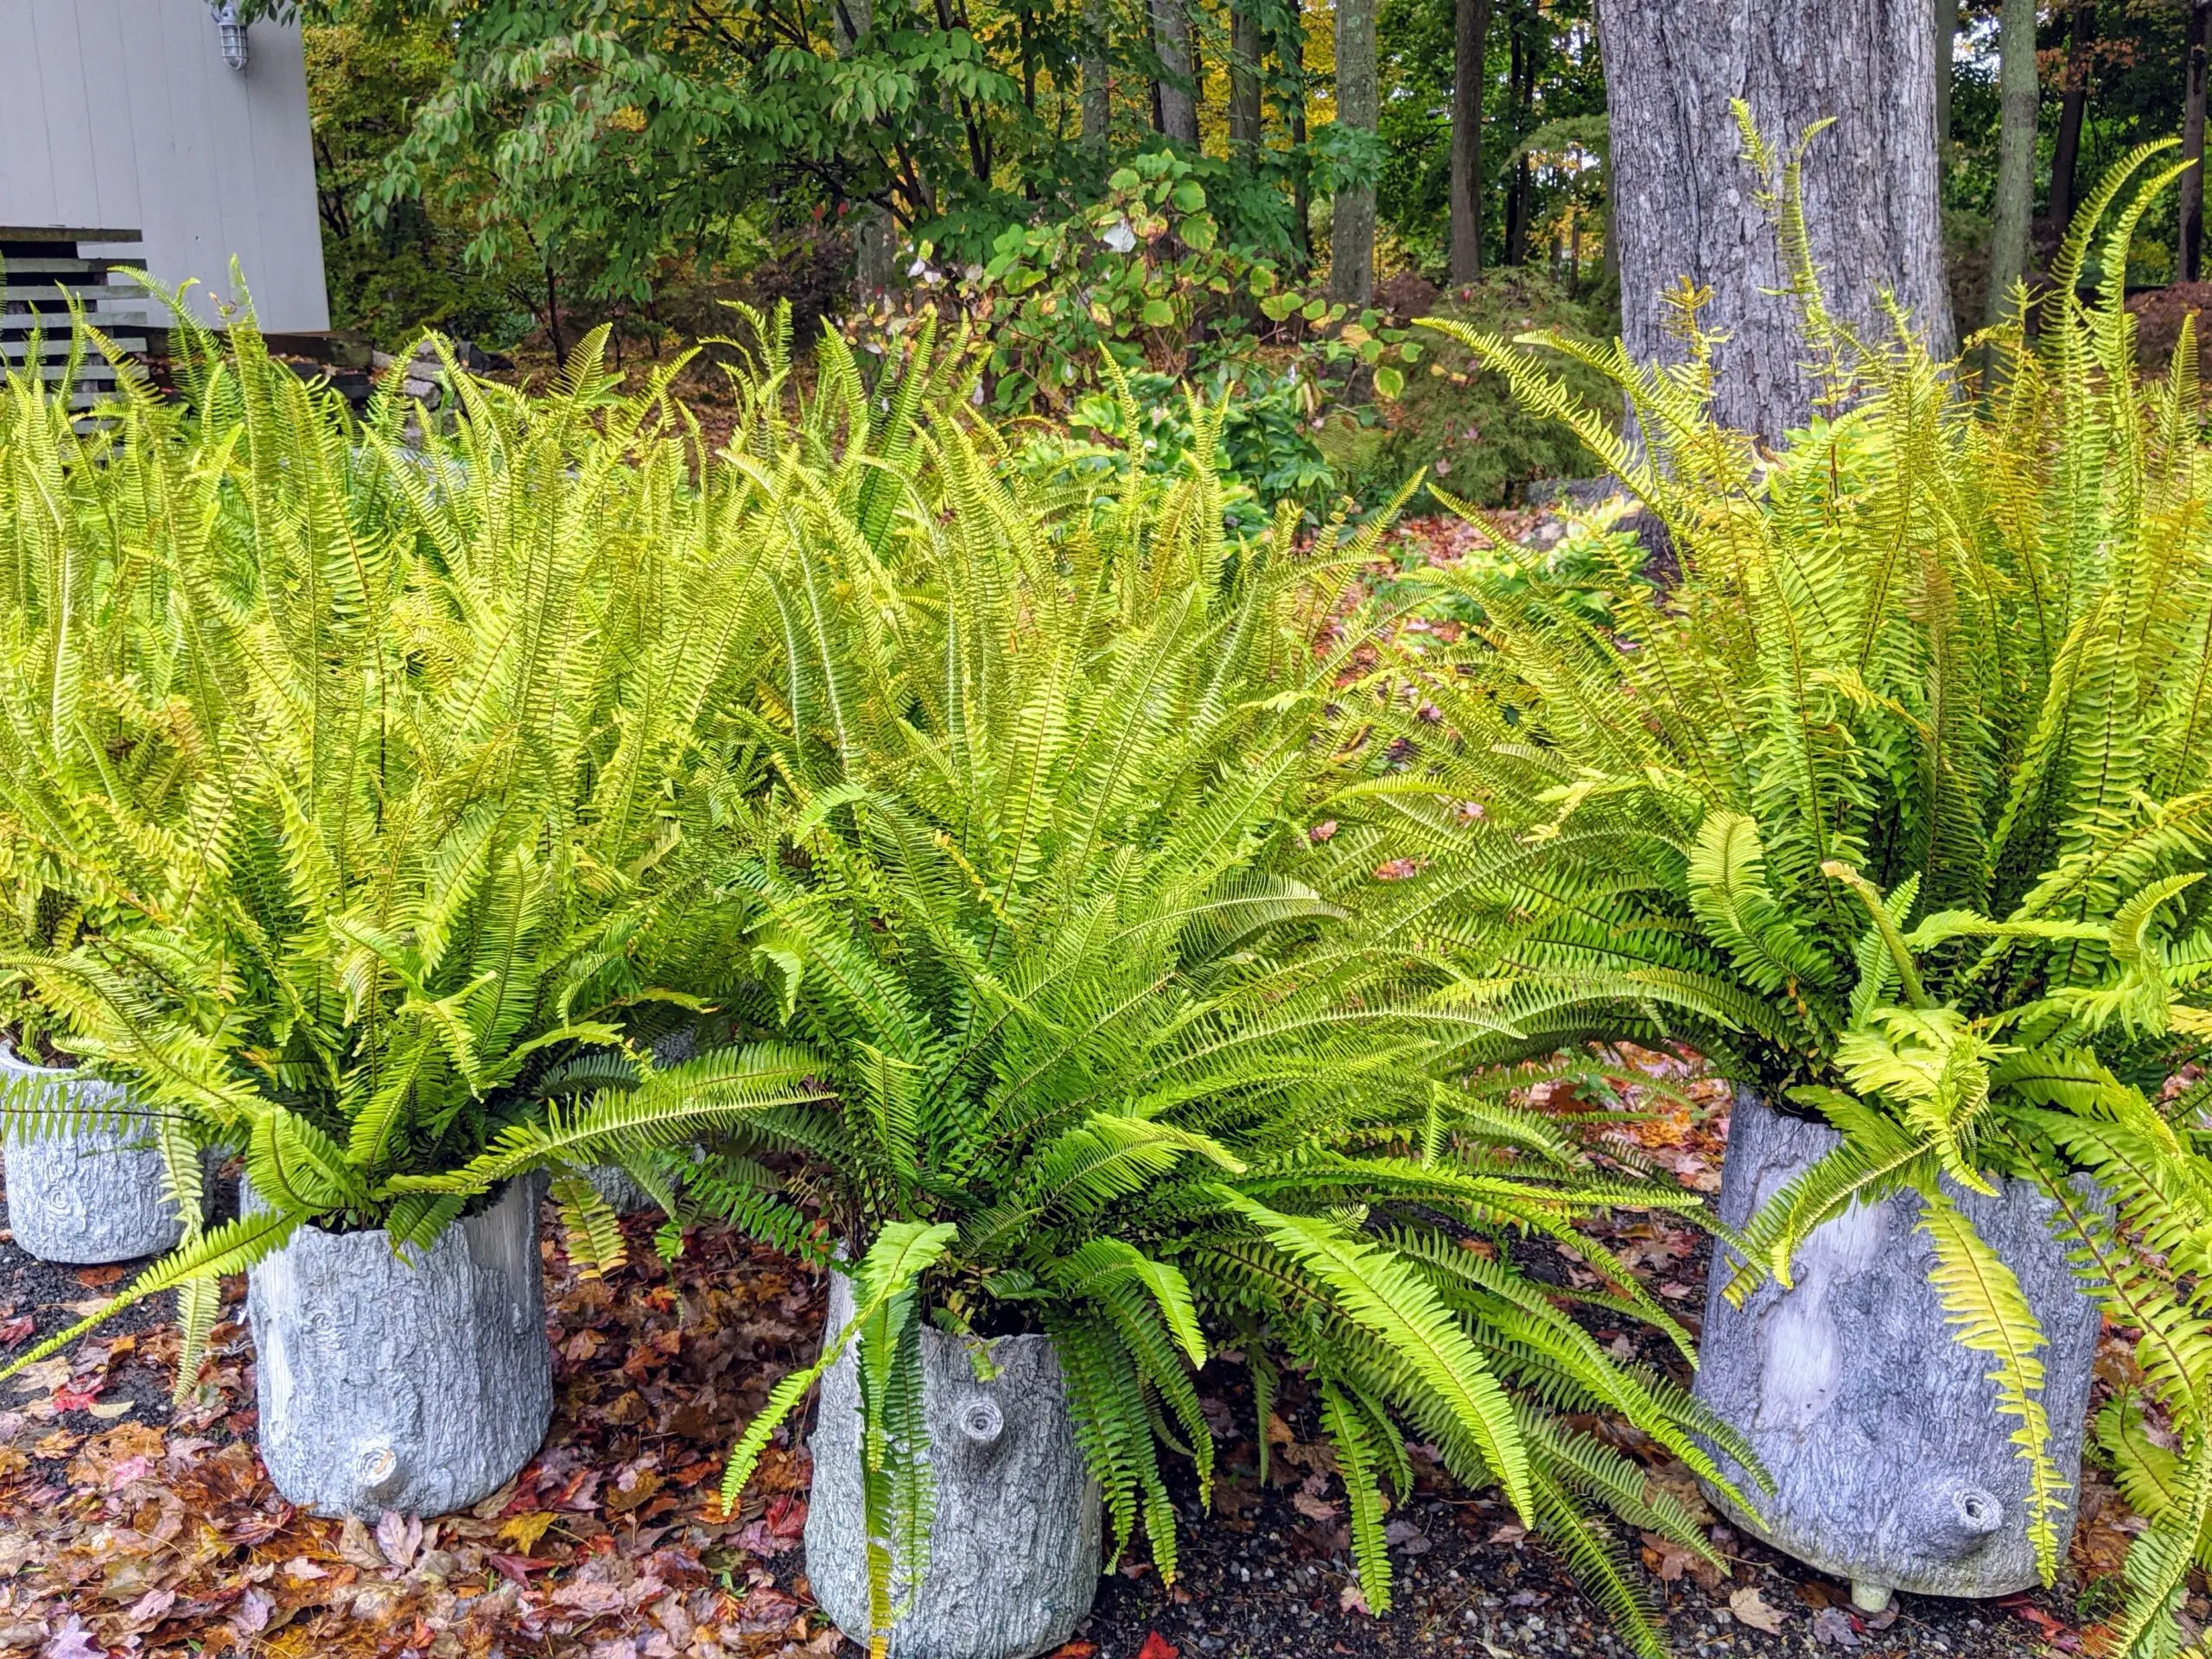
{"x": 2018, "y": 95}
{"x": 1470, "y": 36}
{"x": 1015, "y": 1550}
{"x": 86, "y": 1193}
{"x": 1892, "y": 1466}
{"x": 389, "y": 1384}
{"x": 1947, "y": 46}
{"x": 1245, "y": 50}
{"x": 1352, "y": 226}
{"x": 1097, "y": 82}
{"x": 1683, "y": 200}
{"x": 1178, "y": 85}
{"x": 875, "y": 236}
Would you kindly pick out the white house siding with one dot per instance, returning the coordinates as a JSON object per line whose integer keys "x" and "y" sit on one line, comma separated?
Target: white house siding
{"x": 122, "y": 115}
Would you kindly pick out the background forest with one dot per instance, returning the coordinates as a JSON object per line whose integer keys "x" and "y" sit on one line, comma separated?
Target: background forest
{"x": 515, "y": 172}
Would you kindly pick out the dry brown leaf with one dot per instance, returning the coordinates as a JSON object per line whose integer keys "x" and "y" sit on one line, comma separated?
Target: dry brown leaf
{"x": 1751, "y": 1608}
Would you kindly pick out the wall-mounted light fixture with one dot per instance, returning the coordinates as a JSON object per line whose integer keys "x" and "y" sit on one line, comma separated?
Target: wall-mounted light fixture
{"x": 230, "y": 33}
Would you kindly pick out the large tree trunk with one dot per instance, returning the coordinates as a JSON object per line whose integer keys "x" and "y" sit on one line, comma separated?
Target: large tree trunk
{"x": 2018, "y": 95}
{"x": 2192, "y": 147}
{"x": 2065, "y": 156}
{"x": 1177, "y": 95}
{"x": 1015, "y": 1547}
{"x": 1351, "y": 230}
{"x": 1245, "y": 50}
{"x": 1471, "y": 34}
{"x": 1892, "y": 1466}
{"x": 1947, "y": 46}
{"x": 1684, "y": 203}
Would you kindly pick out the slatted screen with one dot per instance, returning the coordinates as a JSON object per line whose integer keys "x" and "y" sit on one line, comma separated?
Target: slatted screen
{"x": 43, "y": 269}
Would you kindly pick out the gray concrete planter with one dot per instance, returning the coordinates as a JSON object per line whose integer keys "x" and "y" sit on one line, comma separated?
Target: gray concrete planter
{"x": 90, "y": 1194}
{"x": 1893, "y": 1468}
{"x": 1016, "y": 1550}
{"x": 386, "y": 1384}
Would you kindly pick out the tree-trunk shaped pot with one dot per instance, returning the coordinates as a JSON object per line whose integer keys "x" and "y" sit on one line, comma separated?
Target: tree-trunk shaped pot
{"x": 90, "y": 1192}
{"x": 1014, "y": 1549}
{"x": 1893, "y": 1467}
{"x": 417, "y": 1384}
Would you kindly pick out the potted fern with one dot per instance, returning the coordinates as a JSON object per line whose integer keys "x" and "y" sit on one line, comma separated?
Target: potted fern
{"x": 458, "y": 696}
{"x": 1871, "y": 809}
{"x": 1114, "y": 1074}
{"x": 86, "y": 1179}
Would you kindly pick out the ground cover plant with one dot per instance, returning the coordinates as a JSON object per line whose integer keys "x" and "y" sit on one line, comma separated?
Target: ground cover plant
{"x": 1895, "y": 806}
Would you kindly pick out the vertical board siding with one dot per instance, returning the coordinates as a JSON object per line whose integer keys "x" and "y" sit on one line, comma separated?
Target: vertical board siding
{"x": 122, "y": 113}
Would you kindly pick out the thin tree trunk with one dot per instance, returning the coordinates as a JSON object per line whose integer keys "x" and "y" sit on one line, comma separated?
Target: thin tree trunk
{"x": 2192, "y": 149}
{"x": 1520, "y": 84}
{"x": 1470, "y": 36}
{"x": 1245, "y": 50}
{"x": 876, "y": 239}
{"x": 1682, "y": 198}
{"x": 1947, "y": 45}
{"x": 1176, "y": 99}
{"x": 2016, "y": 100}
{"x": 2081, "y": 32}
{"x": 1097, "y": 85}
{"x": 1352, "y": 233}
{"x": 1290, "y": 51}
{"x": 553, "y": 318}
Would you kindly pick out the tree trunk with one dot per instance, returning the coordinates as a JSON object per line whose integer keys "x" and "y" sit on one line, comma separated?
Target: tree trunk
{"x": 1177, "y": 100}
{"x": 1471, "y": 36}
{"x": 1947, "y": 46}
{"x": 1245, "y": 50}
{"x": 2065, "y": 156}
{"x": 419, "y": 1385}
{"x": 1097, "y": 81}
{"x": 2018, "y": 95}
{"x": 1517, "y": 193}
{"x": 89, "y": 1191}
{"x": 1683, "y": 200}
{"x": 1893, "y": 1467}
{"x": 1290, "y": 51}
{"x": 2192, "y": 149}
{"x": 1352, "y": 230}
{"x": 875, "y": 237}
{"x": 1015, "y": 1545}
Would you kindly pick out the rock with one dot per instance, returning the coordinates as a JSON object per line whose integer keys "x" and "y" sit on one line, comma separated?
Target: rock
{"x": 384, "y": 1385}
{"x": 1893, "y": 1468}
{"x": 1015, "y": 1549}
{"x": 84, "y": 1193}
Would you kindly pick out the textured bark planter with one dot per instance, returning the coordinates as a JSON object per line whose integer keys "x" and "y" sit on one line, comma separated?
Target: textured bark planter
{"x": 1015, "y": 1553}
{"x": 90, "y": 1194}
{"x": 1892, "y": 1467}
{"x": 418, "y": 1387}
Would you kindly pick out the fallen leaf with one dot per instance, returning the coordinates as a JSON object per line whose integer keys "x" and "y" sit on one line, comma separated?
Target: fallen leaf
{"x": 98, "y": 1278}
{"x": 14, "y": 1331}
{"x": 1313, "y": 1508}
{"x": 71, "y": 1641}
{"x": 1350, "y": 1600}
{"x": 524, "y": 1530}
{"x": 399, "y": 1537}
{"x": 151, "y": 1608}
{"x": 1075, "y": 1650}
{"x": 1832, "y": 1624}
{"x": 357, "y": 1548}
{"x": 253, "y": 1615}
{"x": 108, "y": 1410}
{"x": 1510, "y": 1533}
{"x": 1751, "y": 1608}
{"x": 76, "y": 1396}
{"x": 1157, "y": 1646}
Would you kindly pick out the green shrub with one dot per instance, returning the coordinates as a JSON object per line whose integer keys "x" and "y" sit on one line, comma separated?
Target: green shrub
{"x": 1459, "y": 421}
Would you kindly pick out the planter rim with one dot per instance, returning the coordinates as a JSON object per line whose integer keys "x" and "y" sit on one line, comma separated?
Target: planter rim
{"x": 9, "y": 1057}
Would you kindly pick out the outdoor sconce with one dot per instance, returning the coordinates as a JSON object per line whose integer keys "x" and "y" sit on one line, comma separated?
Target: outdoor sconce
{"x": 230, "y": 33}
